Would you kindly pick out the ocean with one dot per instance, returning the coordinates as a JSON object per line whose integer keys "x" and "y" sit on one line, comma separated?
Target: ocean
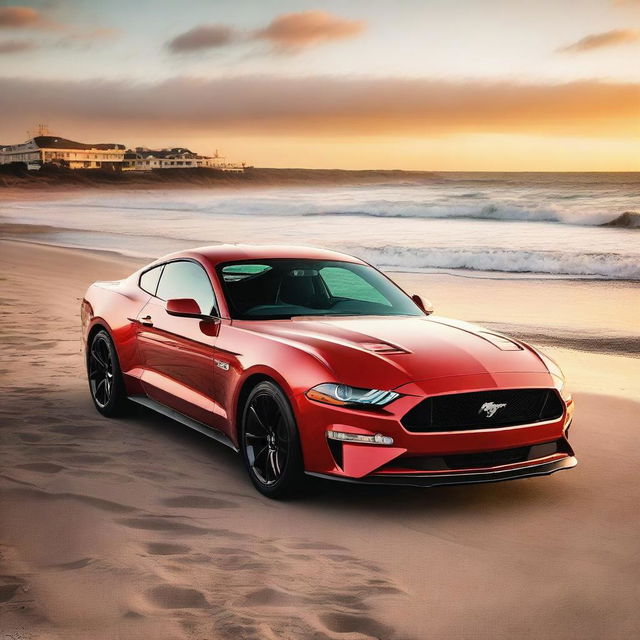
{"x": 551, "y": 225}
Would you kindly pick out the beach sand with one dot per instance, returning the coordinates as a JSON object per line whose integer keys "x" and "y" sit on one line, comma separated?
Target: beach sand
{"x": 140, "y": 528}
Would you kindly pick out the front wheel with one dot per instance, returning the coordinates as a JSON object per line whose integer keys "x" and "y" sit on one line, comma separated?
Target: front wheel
{"x": 270, "y": 444}
{"x": 105, "y": 378}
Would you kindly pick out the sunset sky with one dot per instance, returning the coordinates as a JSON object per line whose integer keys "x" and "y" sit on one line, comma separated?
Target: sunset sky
{"x": 409, "y": 84}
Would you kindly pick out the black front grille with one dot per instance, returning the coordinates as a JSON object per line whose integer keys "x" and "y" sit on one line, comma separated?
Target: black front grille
{"x": 484, "y": 410}
{"x": 479, "y": 460}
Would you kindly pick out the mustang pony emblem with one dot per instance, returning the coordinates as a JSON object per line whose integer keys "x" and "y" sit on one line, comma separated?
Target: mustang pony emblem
{"x": 490, "y": 408}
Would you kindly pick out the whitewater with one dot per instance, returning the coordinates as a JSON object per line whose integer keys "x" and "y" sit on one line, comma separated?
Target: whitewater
{"x": 544, "y": 225}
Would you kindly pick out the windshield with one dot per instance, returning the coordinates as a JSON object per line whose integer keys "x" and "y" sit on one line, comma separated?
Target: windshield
{"x": 286, "y": 287}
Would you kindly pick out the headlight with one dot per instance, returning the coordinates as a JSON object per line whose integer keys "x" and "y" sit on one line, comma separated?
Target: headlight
{"x": 344, "y": 396}
{"x": 556, "y": 373}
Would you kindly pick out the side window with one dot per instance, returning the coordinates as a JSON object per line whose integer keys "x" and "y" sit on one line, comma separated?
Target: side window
{"x": 344, "y": 283}
{"x": 186, "y": 280}
{"x": 149, "y": 280}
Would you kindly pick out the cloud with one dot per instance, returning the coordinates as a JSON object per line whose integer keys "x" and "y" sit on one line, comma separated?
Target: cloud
{"x": 28, "y": 18}
{"x": 15, "y": 46}
{"x": 601, "y": 40}
{"x": 294, "y": 31}
{"x": 287, "y": 33}
{"x": 203, "y": 37}
{"x": 321, "y": 106}
{"x": 23, "y": 18}
{"x": 67, "y": 35}
{"x": 88, "y": 37}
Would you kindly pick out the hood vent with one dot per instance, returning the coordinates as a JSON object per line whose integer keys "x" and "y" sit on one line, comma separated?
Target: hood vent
{"x": 382, "y": 347}
{"x": 503, "y": 343}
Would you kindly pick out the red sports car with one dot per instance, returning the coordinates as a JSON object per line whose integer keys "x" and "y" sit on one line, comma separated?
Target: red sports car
{"x": 313, "y": 362}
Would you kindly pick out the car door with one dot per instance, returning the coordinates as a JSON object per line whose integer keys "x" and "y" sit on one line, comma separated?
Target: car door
{"x": 177, "y": 353}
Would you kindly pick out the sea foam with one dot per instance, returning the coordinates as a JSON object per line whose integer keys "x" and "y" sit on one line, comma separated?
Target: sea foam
{"x": 601, "y": 265}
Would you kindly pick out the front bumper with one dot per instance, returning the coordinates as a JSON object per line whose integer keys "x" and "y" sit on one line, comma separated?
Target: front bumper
{"x": 458, "y": 477}
{"x": 469, "y": 456}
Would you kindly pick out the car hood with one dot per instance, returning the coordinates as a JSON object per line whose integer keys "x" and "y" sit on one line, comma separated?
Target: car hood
{"x": 385, "y": 352}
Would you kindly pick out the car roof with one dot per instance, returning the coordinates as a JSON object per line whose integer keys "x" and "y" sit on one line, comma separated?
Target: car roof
{"x": 216, "y": 254}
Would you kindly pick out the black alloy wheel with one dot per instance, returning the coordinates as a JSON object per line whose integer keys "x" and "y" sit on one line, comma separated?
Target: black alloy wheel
{"x": 270, "y": 443}
{"x": 105, "y": 378}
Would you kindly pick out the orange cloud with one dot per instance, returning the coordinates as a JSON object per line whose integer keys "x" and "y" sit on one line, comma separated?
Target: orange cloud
{"x": 323, "y": 106}
{"x": 29, "y": 18}
{"x": 287, "y": 33}
{"x": 23, "y": 18}
{"x": 600, "y": 40}
{"x": 294, "y": 31}
{"x": 15, "y": 46}
{"x": 203, "y": 37}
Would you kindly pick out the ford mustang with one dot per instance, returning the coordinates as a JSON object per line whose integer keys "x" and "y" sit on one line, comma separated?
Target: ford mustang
{"x": 308, "y": 361}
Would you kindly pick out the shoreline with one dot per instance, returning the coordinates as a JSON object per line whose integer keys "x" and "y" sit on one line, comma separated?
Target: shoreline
{"x": 14, "y": 231}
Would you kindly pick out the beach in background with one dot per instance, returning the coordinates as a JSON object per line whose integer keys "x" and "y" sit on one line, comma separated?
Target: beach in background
{"x": 139, "y": 528}
{"x": 548, "y": 224}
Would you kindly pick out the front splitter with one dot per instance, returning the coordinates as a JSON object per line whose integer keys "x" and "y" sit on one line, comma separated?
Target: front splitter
{"x": 466, "y": 477}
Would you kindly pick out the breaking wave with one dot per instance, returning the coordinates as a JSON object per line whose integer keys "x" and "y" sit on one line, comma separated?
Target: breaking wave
{"x": 598, "y": 265}
{"x": 499, "y": 212}
{"x": 626, "y": 220}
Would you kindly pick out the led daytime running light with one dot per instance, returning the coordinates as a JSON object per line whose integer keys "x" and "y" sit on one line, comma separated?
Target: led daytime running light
{"x": 343, "y": 436}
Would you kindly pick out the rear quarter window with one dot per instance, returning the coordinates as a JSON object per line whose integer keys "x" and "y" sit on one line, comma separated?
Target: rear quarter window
{"x": 149, "y": 279}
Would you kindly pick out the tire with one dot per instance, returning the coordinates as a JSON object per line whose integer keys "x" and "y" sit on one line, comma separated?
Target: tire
{"x": 106, "y": 384}
{"x": 270, "y": 444}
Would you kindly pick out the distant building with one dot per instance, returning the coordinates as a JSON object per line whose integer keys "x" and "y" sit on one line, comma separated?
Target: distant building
{"x": 143, "y": 159}
{"x": 43, "y": 148}
{"x": 47, "y": 149}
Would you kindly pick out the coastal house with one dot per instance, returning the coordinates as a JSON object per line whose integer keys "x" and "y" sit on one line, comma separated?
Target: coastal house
{"x": 47, "y": 149}
{"x": 143, "y": 159}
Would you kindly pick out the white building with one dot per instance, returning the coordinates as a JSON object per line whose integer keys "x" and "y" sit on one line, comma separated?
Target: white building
{"x": 143, "y": 159}
{"x": 46, "y": 149}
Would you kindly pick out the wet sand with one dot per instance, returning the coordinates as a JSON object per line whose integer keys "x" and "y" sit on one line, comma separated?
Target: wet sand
{"x": 139, "y": 528}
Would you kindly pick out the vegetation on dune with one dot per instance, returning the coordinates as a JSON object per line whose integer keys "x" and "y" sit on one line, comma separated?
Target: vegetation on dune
{"x": 16, "y": 175}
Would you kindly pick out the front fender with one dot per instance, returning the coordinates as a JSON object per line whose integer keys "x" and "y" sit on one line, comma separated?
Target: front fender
{"x": 292, "y": 368}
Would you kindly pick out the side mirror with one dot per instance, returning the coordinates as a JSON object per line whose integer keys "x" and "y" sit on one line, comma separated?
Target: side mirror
{"x": 425, "y": 305}
{"x": 183, "y": 307}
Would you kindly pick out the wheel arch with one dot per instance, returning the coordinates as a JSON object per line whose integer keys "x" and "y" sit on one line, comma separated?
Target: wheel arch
{"x": 99, "y": 324}
{"x": 96, "y": 326}
{"x": 248, "y": 383}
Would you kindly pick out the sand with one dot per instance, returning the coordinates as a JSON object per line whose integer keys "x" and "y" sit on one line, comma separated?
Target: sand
{"x": 139, "y": 528}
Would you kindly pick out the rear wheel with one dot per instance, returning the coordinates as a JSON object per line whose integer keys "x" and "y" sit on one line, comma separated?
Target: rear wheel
{"x": 105, "y": 378}
{"x": 270, "y": 444}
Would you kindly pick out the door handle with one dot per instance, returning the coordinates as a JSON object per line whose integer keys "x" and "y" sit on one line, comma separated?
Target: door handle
{"x": 146, "y": 321}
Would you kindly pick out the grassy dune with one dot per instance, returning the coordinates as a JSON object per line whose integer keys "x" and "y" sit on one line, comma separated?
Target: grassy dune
{"x": 14, "y": 176}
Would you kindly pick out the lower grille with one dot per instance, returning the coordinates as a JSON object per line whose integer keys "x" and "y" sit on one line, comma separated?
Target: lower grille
{"x": 483, "y": 459}
{"x": 484, "y": 410}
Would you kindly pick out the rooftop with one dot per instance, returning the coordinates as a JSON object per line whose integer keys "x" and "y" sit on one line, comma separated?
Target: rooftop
{"x": 231, "y": 252}
{"x": 53, "y": 142}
